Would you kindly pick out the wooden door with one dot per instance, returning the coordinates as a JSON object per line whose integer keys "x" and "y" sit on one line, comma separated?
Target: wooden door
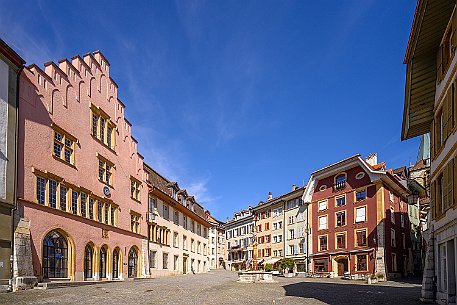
{"x": 184, "y": 265}
{"x": 342, "y": 266}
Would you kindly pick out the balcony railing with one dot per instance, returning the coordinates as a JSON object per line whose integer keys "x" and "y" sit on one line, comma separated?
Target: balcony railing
{"x": 339, "y": 185}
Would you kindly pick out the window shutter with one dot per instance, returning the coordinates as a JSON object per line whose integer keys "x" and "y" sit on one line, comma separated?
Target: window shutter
{"x": 454, "y": 178}
{"x": 445, "y": 116}
{"x": 439, "y": 65}
{"x": 454, "y": 33}
{"x": 432, "y": 139}
{"x": 452, "y": 104}
{"x": 444, "y": 188}
{"x": 433, "y": 201}
{"x": 449, "y": 111}
{"x": 450, "y": 183}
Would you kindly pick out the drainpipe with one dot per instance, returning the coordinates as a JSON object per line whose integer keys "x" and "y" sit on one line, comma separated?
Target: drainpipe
{"x": 284, "y": 232}
{"x": 308, "y": 262}
{"x": 16, "y": 141}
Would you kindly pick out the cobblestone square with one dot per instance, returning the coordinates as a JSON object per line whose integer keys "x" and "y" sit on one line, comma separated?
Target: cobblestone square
{"x": 220, "y": 287}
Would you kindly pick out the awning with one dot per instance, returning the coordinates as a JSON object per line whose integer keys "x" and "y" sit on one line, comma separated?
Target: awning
{"x": 272, "y": 261}
{"x": 300, "y": 261}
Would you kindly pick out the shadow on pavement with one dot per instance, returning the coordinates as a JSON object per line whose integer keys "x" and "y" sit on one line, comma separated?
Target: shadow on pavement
{"x": 353, "y": 294}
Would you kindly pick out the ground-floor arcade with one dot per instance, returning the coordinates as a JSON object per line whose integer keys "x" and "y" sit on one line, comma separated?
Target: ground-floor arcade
{"x": 66, "y": 248}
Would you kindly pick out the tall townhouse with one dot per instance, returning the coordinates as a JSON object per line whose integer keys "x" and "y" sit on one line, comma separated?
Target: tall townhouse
{"x": 430, "y": 105}
{"x": 10, "y": 68}
{"x": 82, "y": 204}
{"x": 240, "y": 237}
{"x": 221, "y": 249}
{"x": 275, "y": 241}
{"x": 177, "y": 228}
{"x": 358, "y": 218}
{"x": 214, "y": 250}
{"x": 263, "y": 223}
{"x": 418, "y": 177}
{"x": 296, "y": 228}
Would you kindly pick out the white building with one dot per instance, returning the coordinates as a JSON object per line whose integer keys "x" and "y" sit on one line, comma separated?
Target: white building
{"x": 430, "y": 106}
{"x": 239, "y": 234}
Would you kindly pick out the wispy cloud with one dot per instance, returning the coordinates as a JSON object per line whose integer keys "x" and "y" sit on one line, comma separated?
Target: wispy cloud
{"x": 27, "y": 46}
{"x": 199, "y": 189}
{"x": 351, "y": 17}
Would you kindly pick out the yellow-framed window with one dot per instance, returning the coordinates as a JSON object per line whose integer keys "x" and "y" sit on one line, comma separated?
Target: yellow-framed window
{"x": 105, "y": 170}
{"x": 102, "y": 127}
{"x": 64, "y": 145}
{"x": 135, "y": 189}
{"x": 135, "y": 223}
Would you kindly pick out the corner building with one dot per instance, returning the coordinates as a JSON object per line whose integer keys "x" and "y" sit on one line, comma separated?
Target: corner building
{"x": 359, "y": 219}
{"x": 81, "y": 196}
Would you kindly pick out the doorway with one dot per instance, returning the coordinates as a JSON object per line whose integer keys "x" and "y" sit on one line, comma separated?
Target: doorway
{"x": 184, "y": 265}
{"x": 342, "y": 266}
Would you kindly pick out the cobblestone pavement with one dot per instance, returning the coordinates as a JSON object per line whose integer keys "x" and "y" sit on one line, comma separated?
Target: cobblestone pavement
{"x": 220, "y": 287}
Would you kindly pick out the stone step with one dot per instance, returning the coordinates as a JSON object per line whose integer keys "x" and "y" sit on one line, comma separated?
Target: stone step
{"x": 63, "y": 284}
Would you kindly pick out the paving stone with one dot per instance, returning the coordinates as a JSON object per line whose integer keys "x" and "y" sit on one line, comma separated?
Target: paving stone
{"x": 220, "y": 287}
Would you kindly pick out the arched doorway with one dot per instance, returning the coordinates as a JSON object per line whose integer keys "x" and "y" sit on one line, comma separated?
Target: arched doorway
{"x": 103, "y": 262}
{"x": 55, "y": 256}
{"x": 342, "y": 265}
{"x": 88, "y": 261}
{"x": 133, "y": 262}
{"x": 116, "y": 263}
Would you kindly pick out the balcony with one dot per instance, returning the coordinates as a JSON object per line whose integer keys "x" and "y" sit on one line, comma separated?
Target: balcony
{"x": 339, "y": 185}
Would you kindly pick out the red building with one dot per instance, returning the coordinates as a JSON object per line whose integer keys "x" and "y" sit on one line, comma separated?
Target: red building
{"x": 359, "y": 219}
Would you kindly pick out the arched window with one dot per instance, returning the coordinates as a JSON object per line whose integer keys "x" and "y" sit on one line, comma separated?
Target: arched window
{"x": 116, "y": 263}
{"x": 103, "y": 257}
{"x": 133, "y": 262}
{"x": 340, "y": 181}
{"x": 88, "y": 262}
{"x": 55, "y": 256}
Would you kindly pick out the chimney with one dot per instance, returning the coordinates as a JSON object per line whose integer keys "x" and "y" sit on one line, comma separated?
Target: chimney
{"x": 372, "y": 159}
{"x": 270, "y": 196}
{"x": 294, "y": 187}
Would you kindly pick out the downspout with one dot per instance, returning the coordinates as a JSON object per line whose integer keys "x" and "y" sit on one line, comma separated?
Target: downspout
{"x": 284, "y": 232}
{"x": 307, "y": 241}
{"x": 16, "y": 141}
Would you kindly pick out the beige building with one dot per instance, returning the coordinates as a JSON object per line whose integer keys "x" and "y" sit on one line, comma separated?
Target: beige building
{"x": 178, "y": 229}
{"x": 296, "y": 228}
{"x": 262, "y": 217}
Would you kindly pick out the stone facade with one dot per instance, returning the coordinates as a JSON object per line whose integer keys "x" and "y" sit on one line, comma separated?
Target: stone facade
{"x": 10, "y": 66}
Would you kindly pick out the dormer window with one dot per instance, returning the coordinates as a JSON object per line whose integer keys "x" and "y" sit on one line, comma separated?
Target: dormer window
{"x": 340, "y": 182}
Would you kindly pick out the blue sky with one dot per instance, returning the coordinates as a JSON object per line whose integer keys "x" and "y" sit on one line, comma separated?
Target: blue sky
{"x": 234, "y": 99}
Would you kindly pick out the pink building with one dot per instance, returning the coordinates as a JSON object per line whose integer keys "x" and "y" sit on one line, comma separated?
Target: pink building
{"x": 82, "y": 209}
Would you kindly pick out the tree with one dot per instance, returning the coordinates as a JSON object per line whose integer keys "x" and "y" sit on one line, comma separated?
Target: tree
{"x": 287, "y": 264}
{"x": 268, "y": 267}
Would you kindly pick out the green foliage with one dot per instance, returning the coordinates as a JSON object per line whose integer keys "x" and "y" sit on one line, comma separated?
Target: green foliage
{"x": 268, "y": 267}
{"x": 287, "y": 263}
